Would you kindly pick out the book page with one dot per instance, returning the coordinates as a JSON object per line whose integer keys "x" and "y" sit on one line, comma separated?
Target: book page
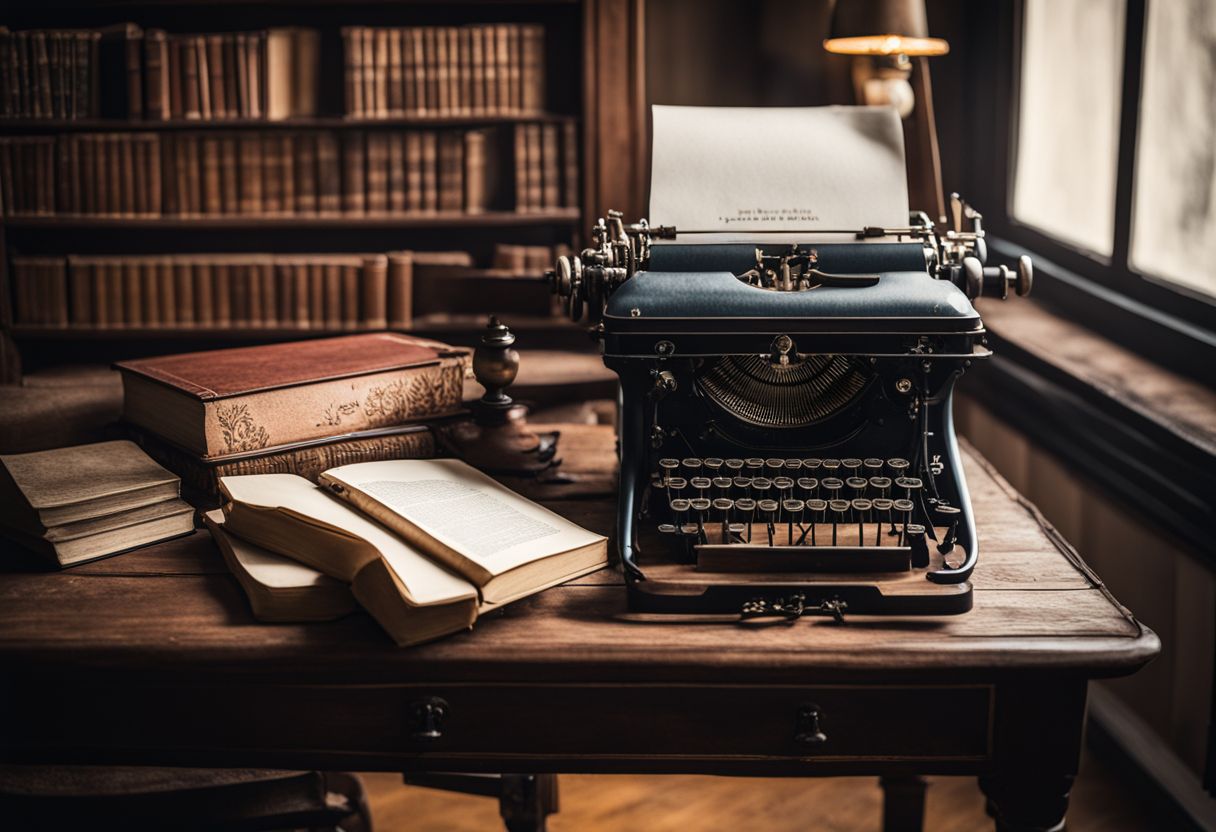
{"x": 427, "y": 582}
{"x": 268, "y": 568}
{"x": 466, "y": 510}
{"x": 731, "y": 171}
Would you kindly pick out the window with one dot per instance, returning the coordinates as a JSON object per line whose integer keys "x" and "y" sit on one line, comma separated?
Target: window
{"x": 1174, "y": 213}
{"x": 1068, "y": 120}
{"x": 1099, "y": 159}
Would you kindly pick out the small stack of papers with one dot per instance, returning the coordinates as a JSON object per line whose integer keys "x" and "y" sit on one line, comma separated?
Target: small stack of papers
{"x": 86, "y": 502}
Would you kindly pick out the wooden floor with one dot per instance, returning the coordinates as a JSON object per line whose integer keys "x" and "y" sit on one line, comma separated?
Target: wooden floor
{"x": 607, "y": 803}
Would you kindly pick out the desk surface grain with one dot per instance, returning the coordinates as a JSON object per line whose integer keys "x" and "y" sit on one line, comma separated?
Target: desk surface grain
{"x": 172, "y": 609}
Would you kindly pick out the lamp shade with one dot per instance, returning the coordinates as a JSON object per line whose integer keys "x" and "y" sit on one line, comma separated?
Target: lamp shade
{"x": 882, "y": 27}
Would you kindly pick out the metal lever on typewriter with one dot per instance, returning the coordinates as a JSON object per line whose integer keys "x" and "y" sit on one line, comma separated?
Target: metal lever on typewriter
{"x": 964, "y": 254}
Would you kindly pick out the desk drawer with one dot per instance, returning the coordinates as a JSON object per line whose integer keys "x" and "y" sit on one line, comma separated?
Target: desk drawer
{"x": 855, "y": 722}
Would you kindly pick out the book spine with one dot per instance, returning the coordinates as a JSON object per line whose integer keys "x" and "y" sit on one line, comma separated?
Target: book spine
{"x": 183, "y": 290}
{"x": 230, "y": 174}
{"x": 570, "y": 165}
{"x": 305, "y": 155}
{"x": 353, "y": 169}
{"x": 215, "y": 77}
{"x": 348, "y": 276}
{"x": 430, "y": 172}
{"x": 190, "y": 84}
{"x": 232, "y": 84}
{"x": 272, "y": 175}
{"x": 204, "y": 77}
{"x": 382, "y": 78}
{"x": 377, "y": 172}
{"x": 396, "y": 172}
{"x": 316, "y": 294}
{"x": 474, "y": 172}
{"x": 522, "y": 192}
{"x": 333, "y": 294}
{"x": 212, "y": 180}
{"x": 156, "y": 93}
{"x": 329, "y": 175}
{"x": 413, "y": 172}
{"x": 375, "y": 291}
{"x": 177, "y": 70}
{"x": 270, "y": 295}
{"x": 150, "y": 292}
{"x": 204, "y": 292}
{"x": 551, "y": 168}
{"x": 400, "y": 302}
{"x": 395, "y": 94}
{"x": 535, "y": 182}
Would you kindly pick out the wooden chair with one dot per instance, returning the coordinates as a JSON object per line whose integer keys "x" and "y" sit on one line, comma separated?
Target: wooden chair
{"x": 131, "y": 798}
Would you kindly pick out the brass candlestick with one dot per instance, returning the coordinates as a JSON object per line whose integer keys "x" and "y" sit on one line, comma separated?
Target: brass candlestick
{"x": 498, "y": 439}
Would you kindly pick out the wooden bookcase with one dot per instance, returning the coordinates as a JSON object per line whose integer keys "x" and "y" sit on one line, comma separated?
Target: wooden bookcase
{"x": 594, "y": 78}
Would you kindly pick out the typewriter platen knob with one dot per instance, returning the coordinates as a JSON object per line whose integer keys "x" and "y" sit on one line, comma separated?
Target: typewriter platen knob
{"x": 996, "y": 281}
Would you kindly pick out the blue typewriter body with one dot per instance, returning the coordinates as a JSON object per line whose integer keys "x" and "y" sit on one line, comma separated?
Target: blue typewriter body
{"x": 786, "y": 439}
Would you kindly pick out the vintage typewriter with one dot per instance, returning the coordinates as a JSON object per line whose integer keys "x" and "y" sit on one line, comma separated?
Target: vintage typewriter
{"x": 786, "y": 443}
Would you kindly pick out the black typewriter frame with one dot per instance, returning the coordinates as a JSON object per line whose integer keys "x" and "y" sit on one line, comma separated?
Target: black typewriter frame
{"x": 935, "y": 351}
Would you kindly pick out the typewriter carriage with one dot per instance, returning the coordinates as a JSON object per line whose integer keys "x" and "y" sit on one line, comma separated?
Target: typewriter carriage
{"x": 841, "y": 353}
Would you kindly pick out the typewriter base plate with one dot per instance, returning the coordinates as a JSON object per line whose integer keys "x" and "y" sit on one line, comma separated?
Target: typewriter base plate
{"x": 674, "y": 587}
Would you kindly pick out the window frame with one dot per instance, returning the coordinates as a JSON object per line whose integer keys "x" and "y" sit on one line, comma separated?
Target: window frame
{"x": 1168, "y": 323}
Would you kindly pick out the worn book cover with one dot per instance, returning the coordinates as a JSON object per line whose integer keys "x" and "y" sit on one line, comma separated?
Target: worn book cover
{"x": 225, "y": 401}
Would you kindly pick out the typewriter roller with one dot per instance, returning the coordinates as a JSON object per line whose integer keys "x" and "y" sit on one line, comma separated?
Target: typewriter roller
{"x": 786, "y": 444}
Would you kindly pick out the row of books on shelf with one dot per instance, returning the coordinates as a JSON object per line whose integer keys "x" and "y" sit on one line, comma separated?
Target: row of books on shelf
{"x": 236, "y": 291}
{"x": 125, "y": 71}
{"x": 475, "y": 70}
{"x": 256, "y": 173}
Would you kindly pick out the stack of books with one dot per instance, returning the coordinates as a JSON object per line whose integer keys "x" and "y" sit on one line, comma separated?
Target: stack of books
{"x": 77, "y": 504}
{"x": 425, "y": 546}
{"x": 295, "y": 408}
{"x": 269, "y": 74}
{"x": 264, "y": 174}
{"x": 479, "y": 70}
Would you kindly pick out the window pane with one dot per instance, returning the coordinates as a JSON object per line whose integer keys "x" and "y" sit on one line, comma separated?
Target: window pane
{"x": 1174, "y": 220}
{"x": 1068, "y": 120}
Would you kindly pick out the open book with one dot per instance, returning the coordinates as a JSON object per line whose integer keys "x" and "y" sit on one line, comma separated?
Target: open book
{"x": 425, "y": 544}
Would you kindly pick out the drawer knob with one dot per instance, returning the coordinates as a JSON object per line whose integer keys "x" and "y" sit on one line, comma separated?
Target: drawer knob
{"x": 808, "y": 730}
{"x": 427, "y": 717}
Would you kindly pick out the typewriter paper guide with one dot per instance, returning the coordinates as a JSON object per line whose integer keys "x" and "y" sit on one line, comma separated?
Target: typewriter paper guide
{"x": 722, "y": 172}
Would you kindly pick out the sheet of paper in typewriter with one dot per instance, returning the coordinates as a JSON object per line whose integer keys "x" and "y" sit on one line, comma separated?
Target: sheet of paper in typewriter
{"x": 728, "y": 171}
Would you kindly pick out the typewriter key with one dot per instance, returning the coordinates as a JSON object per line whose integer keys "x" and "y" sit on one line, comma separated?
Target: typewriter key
{"x": 816, "y": 509}
{"x": 831, "y": 464}
{"x": 722, "y": 507}
{"x": 667, "y": 528}
{"x": 744, "y": 484}
{"x": 880, "y": 484}
{"x": 745, "y": 508}
{"x": 701, "y": 484}
{"x": 784, "y": 486}
{"x": 951, "y": 515}
{"x": 807, "y": 485}
{"x": 873, "y": 465}
{"x": 768, "y": 513}
{"x": 774, "y": 466}
{"x": 692, "y": 467}
{"x": 700, "y": 507}
{"x": 861, "y": 507}
{"x": 675, "y": 485}
{"x": 689, "y": 529}
{"x": 858, "y": 484}
{"x": 852, "y": 465}
{"x": 712, "y": 463}
{"x": 792, "y": 465}
{"x": 669, "y": 467}
{"x": 722, "y": 485}
{"x": 897, "y": 466}
{"x": 754, "y": 466}
{"x": 904, "y": 507}
{"x": 812, "y": 464}
{"x": 882, "y": 508}
{"x": 908, "y": 484}
{"x": 793, "y": 514}
{"x": 734, "y": 465}
{"x": 919, "y": 545}
{"x": 679, "y": 508}
{"x": 832, "y": 485}
{"x": 761, "y": 486}
{"x": 839, "y": 509}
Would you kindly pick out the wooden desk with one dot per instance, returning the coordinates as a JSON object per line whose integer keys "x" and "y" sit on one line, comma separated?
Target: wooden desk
{"x": 153, "y": 657}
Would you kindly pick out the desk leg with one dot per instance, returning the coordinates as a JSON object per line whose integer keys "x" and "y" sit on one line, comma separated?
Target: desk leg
{"x": 1027, "y": 804}
{"x": 1038, "y": 750}
{"x": 903, "y": 803}
{"x": 527, "y": 800}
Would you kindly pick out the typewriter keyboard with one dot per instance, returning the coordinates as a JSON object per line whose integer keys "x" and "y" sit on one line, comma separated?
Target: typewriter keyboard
{"x": 736, "y": 505}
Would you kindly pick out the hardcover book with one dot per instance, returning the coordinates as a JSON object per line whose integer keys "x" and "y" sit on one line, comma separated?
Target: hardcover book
{"x": 244, "y": 399}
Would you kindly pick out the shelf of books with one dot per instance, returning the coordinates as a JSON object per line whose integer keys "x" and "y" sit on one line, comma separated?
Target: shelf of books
{"x": 139, "y": 165}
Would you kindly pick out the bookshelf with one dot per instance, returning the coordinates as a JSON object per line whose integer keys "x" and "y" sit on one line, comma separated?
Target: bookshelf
{"x": 592, "y": 86}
